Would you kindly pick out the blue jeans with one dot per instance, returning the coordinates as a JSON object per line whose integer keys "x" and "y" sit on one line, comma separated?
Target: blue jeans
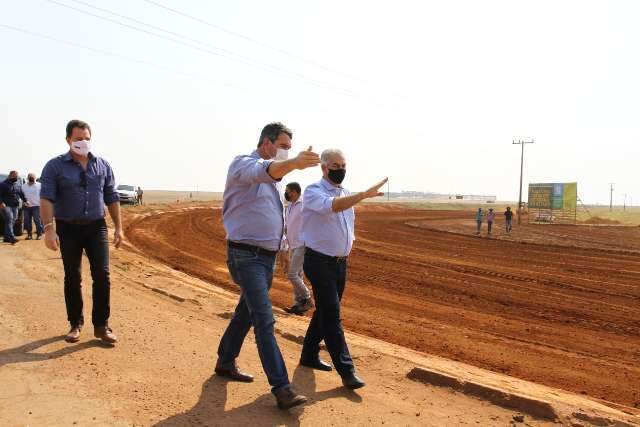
{"x": 29, "y": 213}
{"x": 253, "y": 272}
{"x": 10, "y": 214}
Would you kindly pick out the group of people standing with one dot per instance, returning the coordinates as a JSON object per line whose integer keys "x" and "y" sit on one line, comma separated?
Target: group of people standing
{"x": 12, "y": 192}
{"x": 319, "y": 231}
{"x": 491, "y": 216}
{"x": 316, "y": 231}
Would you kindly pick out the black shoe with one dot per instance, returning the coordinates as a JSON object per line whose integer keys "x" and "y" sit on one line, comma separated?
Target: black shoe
{"x": 233, "y": 372}
{"x": 29, "y": 237}
{"x": 301, "y": 307}
{"x": 39, "y": 236}
{"x": 318, "y": 364}
{"x": 352, "y": 381}
{"x": 287, "y": 398}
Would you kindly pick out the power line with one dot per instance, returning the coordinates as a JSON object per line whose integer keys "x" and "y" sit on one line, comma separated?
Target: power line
{"x": 226, "y": 54}
{"x": 122, "y": 57}
{"x": 250, "y": 39}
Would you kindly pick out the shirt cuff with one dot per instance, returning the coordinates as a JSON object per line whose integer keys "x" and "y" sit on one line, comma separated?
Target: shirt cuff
{"x": 111, "y": 199}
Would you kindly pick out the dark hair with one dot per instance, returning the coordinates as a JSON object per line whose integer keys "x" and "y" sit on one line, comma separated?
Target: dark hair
{"x": 295, "y": 187}
{"x": 273, "y": 131}
{"x": 77, "y": 124}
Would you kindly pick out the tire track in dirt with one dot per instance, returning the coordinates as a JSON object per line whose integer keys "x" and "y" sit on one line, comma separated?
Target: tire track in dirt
{"x": 568, "y": 317}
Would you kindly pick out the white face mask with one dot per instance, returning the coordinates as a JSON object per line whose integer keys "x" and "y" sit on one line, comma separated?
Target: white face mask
{"x": 81, "y": 148}
{"x": 282, "y": 154}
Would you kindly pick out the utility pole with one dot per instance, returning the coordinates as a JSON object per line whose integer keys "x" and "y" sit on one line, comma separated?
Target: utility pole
{"x": 624, "y": 208}
{"x": 521, "y": 142}
{"x": 611, "y": 198}
{"x": 388, "y": 191}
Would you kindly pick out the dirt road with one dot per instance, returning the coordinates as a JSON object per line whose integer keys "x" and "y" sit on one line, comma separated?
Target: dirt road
{"x": 567, "y": 317}
{"x": 161, "y": 371}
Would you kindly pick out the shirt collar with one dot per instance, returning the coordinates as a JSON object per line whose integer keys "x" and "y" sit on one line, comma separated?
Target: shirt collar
{"x": 67, "y": 156}
{"x": 329, "y": 186}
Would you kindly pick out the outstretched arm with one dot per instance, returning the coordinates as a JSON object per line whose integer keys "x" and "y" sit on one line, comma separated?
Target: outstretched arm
{"x": 343, "y": 203}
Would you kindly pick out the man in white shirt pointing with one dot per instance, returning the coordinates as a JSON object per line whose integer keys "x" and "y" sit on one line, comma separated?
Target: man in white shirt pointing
{"x": 328, "y": 232}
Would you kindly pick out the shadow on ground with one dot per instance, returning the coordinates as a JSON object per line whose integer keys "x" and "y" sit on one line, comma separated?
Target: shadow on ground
{"x": 210, "y": 409}
{"x": 25, "y": 353}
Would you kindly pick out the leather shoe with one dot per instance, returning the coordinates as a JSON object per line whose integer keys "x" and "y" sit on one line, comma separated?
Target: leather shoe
{"x": 105, "y": 334}
{"x": 287, "y": 398}
{"x": 73, "y": 335}
{"x": 318, "y": 364}
{"x": 352, "y": 381}
{"x": 234, "y": 373}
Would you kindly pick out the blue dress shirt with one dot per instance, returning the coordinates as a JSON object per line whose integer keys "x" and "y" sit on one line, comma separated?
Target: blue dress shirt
{"x": 253, "y": 210}
{"x": 75, "y": 194}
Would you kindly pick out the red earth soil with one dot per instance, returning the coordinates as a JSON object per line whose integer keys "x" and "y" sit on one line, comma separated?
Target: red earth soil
{"x": 564, "y": 316}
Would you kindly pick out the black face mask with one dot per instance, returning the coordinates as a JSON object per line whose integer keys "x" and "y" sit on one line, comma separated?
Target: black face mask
{"x": 337, "y": 175}
{"x": 32, "y": 180}
{"x": 287, "y": 197}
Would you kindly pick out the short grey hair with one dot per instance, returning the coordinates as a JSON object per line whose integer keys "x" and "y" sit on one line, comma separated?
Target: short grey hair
{"x": 329, "y": 153}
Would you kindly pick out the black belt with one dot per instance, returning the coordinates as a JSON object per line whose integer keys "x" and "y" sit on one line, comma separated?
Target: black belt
{"x": 327, "y": 257}
{"x": 80, "y": 221}
{"x": 252, "y": 248}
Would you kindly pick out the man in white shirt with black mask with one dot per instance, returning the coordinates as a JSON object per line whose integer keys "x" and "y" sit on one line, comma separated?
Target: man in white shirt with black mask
{"x": 328, "y": 224}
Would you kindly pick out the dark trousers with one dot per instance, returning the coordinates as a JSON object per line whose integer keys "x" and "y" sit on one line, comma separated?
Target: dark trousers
{"x": 32, "y": 213}
{"x": 328, "y": 278}
{"x": 92, "y": 238}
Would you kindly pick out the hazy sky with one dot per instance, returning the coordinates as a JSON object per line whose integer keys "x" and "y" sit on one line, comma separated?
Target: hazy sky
{"x": 430, "y": 94}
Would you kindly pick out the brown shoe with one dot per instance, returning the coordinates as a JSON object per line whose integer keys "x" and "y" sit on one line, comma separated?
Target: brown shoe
{"x": 73, "y": 335}
{"x": 287, "y": 398}
{"x": 105, "y": 334}
{"x": 233, "y": 372}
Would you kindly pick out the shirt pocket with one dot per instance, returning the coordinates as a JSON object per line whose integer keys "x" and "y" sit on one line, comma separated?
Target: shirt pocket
{"x": 69, "y": 182}
{"x": 96, "y": 182}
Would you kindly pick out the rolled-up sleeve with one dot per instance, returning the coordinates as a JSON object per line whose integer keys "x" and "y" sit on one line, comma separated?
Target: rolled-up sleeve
{"x": 249, "y": 170}
{"x": 48, "y": 179}
{"x": 109, "y": 189}
{"x": 315, "y": 199}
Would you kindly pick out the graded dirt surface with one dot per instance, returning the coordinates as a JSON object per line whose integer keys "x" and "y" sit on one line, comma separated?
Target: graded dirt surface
{"x": 559, "y": 306}
{"x": 161, "y": 371}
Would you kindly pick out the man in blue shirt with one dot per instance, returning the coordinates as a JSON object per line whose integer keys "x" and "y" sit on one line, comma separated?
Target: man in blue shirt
{"x": 479, "y": 216}
{"x": 328, "y": 224}
{"x": 253, "y": 217}
{"x": 10, "y": 196}
{"x": 76, "y": 186}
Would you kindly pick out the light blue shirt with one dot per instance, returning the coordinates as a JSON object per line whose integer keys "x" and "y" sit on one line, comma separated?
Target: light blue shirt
{"x": 253, "y": 211}
{"x": 323, "y": 230}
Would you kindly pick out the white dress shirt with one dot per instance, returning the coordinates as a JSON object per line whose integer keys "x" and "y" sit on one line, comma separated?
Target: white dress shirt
{"x": 294, "y": 224}
{"x": 323, "y": 230}
{"x": 32, "y": 193}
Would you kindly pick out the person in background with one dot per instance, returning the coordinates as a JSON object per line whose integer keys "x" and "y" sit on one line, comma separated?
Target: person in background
{"x": 140, "y": 193}
{"x": 328, "y": 233}
{"x": 253, "y": 217}
{"x": 295, "y": 255}
{"x": 479, "y": 216}
{"x": 76, "y": 186}
{"x": 32, "y": 208}
{"x": 491, "y": 216}
{"x": 508, "y": 219}
{"x": 10, "y": 195}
